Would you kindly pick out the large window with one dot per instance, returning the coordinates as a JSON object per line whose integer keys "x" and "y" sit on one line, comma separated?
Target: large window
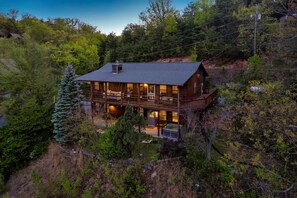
{"x": 174, "y": 117}
{"x": 96, "y": 85}
{"x": 162, "y": 115}
{"x": 107, "y": 86}
{"x": 163, "y": 90}
{"x": 141, "y": 88}
{"x": 174, "y": 89}
{"x": 130, "y": 87}
{"x": 151, "y": 89}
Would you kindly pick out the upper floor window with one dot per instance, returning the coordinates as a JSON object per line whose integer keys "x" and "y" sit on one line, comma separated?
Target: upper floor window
{"x": 107, "y": 86}
{"x": 141, "y": 89}
{"x": 195, "y": 87}
{"x": 130, "y": 87}
{"x": 151, "y": 89}
{"x": 163, "y": 89}
{"x": 96, "y": 85}
{"x": 174, "y": 89}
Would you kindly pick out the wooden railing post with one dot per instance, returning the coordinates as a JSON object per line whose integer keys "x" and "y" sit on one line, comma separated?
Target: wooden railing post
{"x": 91, "y": 96}
{"x": 178, "y": 112}
{"x": 121, "y": 94}
{"x": 138, "y": 95}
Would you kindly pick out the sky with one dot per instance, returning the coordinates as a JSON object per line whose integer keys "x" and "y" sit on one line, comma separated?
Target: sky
{"x": 108, "y": 16}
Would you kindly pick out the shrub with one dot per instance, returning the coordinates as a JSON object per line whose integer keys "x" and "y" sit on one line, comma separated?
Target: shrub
{"x": 121, "y": 139}
{"x": 70, "y": 188}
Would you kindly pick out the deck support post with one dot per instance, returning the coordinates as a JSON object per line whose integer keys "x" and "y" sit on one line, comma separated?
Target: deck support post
{"x": 178, "y": 112}
{"x": 91, "y": 100}
{"x": 92, "y": 113}
{"x": 105, "y": 88}
{"x": 138, "y": 97}
{"x": 158, "y": 123}
{"x": 121, "y": 94}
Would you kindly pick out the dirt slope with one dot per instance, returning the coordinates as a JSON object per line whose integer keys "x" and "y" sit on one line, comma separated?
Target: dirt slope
{"x": 162, "y": 178}
{"x": 47, "y": 166}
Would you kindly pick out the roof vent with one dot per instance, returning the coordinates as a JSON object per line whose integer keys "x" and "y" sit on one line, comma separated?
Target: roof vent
{"x": 116, "y": 68}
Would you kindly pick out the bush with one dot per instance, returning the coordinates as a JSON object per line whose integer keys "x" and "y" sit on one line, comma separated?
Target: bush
{"x": 107, "y": 147}
{"x": 2, "y": 184}
{"x": 130, "y": 183}
{"x": 121, "y": 139}
{"x": 70, "y": 187}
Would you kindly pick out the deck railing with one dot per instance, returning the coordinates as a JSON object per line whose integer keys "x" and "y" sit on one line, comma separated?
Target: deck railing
{"x": 121, "y": 98}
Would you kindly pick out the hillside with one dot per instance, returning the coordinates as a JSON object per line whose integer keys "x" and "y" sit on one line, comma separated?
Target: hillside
{"x": 243, "y": 145}
{"x": 160, "y": 178}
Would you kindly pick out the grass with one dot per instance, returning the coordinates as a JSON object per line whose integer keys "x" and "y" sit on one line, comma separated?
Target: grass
{"x": 147, "y": 152}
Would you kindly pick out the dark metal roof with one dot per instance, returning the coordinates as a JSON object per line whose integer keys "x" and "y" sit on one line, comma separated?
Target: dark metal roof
{"x": 151, "y": 73}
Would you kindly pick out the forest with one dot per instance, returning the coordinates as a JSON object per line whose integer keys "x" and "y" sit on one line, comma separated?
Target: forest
{"x": 35, "y": 52}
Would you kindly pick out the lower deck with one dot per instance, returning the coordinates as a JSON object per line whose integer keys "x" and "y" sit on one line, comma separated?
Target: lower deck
{"x": 156, "y": 119}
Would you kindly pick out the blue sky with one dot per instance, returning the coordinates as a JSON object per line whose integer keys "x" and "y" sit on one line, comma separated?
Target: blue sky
{"x": 108, "y": 16}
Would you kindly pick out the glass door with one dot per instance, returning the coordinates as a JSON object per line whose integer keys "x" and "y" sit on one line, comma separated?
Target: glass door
{"x": 151, "y": 92}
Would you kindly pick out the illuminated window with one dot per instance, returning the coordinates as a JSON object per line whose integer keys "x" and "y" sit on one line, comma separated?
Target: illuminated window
{"x": 174, "y": 117}
{"x": 195, "y": 87}
{"x": 162, "y": 115}
{"x": 141, "y": 89}
{"x": 129, "y": 86}
{"x": 96, "y": 86}
{"x": 107, "y": 86}
{"x": 163, "y": 89}
{"x": 153, "y": 114}
{"x": 174, "y": 89}
{"x": 151, "y": 89}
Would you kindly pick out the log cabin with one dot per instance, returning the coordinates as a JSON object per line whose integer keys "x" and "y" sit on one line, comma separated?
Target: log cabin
{"x": 161, "y": 92}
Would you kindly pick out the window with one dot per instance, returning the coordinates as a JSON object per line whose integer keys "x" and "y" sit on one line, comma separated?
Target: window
{"x": 162, "y": 115}
{"x": 96, "y": 86}
{"x": 107, "y": 86}
{"x": 141, "y": 89}
{"x": 195, "y": 87}
{"x": 163, "y": 89}
{"x": 153, "y": 114}
{"x": 174, "y": 117}
{"x": 174, "y": 89}
{"x": 130, "y": 87}
{"x": 151, "y": 89}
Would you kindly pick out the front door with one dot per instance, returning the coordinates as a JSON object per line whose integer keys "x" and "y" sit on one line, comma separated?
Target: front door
{"x": 152, "y": 118}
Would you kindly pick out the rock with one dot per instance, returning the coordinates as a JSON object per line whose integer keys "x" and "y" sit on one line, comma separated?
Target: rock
{"x": 130, "y": 161}
{"x": 196, "y": 185}
{"x": 154, "y": 174}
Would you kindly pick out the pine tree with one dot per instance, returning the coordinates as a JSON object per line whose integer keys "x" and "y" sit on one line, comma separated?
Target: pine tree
{"x": 67, "y": 109}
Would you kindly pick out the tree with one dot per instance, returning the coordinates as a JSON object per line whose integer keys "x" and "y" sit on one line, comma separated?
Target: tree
{"x": 31, "y": 85}
{"x": 67, "y": 109}
{"x": 265, "y": 120}
{"x": 82, "y": 53}
{"x": 266, "y": 28}
{"x": 254, "y": 71}
{"x": 121, "y": 139}
{"x": 157, "y": 12}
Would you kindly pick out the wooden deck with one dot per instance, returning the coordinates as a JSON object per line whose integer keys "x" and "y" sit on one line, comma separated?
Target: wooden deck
{"x": 164, "y": 103}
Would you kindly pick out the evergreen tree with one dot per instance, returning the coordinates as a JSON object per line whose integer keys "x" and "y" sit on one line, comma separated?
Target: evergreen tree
{"x": 67, "y": 109}
{"x": 121, "y": 139}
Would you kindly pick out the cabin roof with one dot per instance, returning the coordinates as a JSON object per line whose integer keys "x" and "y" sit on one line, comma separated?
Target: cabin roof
{"x": 151, "y": 73}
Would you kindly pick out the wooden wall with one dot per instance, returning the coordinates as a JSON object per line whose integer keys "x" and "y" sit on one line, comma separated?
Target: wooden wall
{"x": 188, "y": 89}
